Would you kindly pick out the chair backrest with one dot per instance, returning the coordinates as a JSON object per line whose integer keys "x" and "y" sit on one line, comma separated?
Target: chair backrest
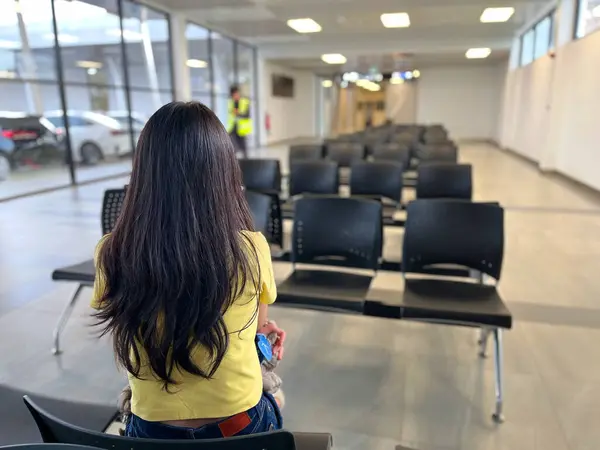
{"x": 47, "y": 447}
{"x": 261, "y": 175}
{"x": 444, "y": 180}
{"x": 399, "y": 153}
{"x": 305, "y": 152}
{"x": 260, "y": 207}
{"x": 345, "y": 153}
{"x": 380, "y": 179}
{"x": 314, "y": 177}
{"x": 55, "y": 430}
{"x": 435, "y": 135}
{"x": 347, "y": 230}
{"x": 453, "y": 232}
{"x": 111, "y": 208}
{"x": 444, "y": 152}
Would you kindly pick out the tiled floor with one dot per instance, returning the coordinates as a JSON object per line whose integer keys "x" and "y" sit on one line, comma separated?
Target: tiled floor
{"x": 373, "y": 383}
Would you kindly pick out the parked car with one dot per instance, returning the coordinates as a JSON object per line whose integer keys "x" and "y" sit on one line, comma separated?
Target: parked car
{"x": 94, "y": 136}
{"x": 123, "y": 118}
{"x": 27, "y": 139}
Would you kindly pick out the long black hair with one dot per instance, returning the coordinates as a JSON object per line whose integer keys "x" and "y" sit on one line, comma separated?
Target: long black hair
{"x": 176, "y": 259}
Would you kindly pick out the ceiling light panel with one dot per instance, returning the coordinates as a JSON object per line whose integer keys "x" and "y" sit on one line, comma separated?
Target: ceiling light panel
{"x": 492, "y": 15}
{"x": 333, "y": 58}
{"x": 196, "y": 63}
{"x": 395, "y": 20}
{"x": 306, "y": 25}
{"x": 478, "y": 53}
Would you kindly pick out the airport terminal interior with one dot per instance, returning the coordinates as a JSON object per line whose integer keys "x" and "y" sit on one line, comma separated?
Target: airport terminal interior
{"x": 427, "y": 176}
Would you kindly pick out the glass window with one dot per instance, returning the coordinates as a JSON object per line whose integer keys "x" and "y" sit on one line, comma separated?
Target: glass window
{"x": 198, "y": 62}
{"x": 588, "y": 18}
{"x": 146, "y": 35}
{"x": 543, "y": 31}
{"x": 527, "y": 44}
{"x": 245, "y": 66}
{"x": 30, "y": 54}
{"x": 92, "y": 66}
{"x": 223, "y": 64}
{"x": 32, "y": 149}
{"x": 93, "y": 52}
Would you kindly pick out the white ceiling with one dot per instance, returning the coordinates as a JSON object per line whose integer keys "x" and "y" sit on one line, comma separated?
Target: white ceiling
{"x": 440, "y": 32}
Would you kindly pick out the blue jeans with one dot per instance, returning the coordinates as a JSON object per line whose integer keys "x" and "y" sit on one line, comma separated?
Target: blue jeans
{"x": 263, "y": 417}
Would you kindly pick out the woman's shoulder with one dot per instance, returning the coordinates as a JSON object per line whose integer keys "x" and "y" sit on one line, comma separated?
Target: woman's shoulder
{"x": 255, "y": 236}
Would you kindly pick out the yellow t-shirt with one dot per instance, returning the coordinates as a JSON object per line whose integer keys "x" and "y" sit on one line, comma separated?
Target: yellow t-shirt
{"x": 237, "y": 383}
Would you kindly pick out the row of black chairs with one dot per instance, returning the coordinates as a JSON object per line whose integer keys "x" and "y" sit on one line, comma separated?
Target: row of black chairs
{"x": 348, "y": 232}
{"x": 347, "y": 153}
{"x": 373, "y": 178}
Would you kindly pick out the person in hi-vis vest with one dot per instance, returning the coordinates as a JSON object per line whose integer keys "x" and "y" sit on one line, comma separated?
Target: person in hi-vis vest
{"x": 239, "y": 123}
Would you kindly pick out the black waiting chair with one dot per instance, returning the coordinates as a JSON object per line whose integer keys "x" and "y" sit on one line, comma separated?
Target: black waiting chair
{"x": 314, "y": 177}
{"x": 55, "y": 430}
{"x": 398, "y": 153}
{"x": 443, "y": 152}
{"x": 18, "y": 427}
{"x": 84, "y": 273}
{"x": 261, "y": 175}
{"x": 305, "y": 152}
{"x": 260, "y": 208}
{"x": 379, "y": 180}
{"x": 311, "y": 177}
{"x": 345, "y": 153}
{"x": 444, "y": 180}
{"x": 344, "y": 232}
{"x": 459, "y": 233}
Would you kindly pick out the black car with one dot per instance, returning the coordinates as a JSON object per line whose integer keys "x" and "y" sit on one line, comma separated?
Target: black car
{"x": 34, "y": 141}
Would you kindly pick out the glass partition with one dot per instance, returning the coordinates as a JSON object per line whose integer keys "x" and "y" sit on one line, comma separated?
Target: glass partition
{"x": 198, "y": 63}
{"x": 32, "y": 150}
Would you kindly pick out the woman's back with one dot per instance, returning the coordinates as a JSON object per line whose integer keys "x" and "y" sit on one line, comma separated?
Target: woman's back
{"x": 180, "y": 278}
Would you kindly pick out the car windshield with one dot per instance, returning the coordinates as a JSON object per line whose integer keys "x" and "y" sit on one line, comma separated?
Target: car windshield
{"x": 57, "y": 121}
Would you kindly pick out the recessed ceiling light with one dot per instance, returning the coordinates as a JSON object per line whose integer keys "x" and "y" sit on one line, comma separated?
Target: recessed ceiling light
{"x": 92, "y": 71}
{"x": 395, "y": 20}
{"x": 196, "y": 63}
{"x": 89, "y": 64}
{"x": 478, "y": 53}
{"x": 416, "y": 73}
{"x": 333, "y": 58}
{"x": 326, "y": 83}
{"x": 491, "y": 15}
{"x": 396, "y": 80}
{"x": 306, "y": 25}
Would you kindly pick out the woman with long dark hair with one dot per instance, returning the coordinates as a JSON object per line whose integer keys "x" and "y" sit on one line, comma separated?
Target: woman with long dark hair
{"x": 183, "y": 284}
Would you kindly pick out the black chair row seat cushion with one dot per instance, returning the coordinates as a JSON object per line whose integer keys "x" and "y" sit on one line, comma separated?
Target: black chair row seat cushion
{"x": 84, "y": 273}
{"x": 443, "y": 301}
{"x": 324, "y": 289}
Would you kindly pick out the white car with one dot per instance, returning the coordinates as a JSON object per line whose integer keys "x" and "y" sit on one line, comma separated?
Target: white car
{"x": 93, "y": 136}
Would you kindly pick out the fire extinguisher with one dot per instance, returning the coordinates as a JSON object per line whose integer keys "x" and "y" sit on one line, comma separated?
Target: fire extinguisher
{"x": 268, "y": 123}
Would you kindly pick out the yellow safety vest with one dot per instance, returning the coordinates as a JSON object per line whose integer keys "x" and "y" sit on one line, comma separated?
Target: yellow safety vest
{"x": 244, "y": 123}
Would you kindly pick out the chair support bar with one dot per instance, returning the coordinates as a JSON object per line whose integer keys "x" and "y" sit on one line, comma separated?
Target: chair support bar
{"x": 64, "y": 318}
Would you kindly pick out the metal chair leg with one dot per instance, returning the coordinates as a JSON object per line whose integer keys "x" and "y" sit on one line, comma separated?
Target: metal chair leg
{"x": 64, "y": 317}
{"x": 484, "y": 333}
{"x": 498, "y": 416}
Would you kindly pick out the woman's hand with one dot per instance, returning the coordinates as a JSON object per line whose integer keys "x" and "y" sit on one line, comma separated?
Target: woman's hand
{"x": 271, "y": 327}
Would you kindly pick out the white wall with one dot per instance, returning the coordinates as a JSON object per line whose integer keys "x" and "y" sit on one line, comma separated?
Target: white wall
{"x": 554, "y": 104}
{"x": 465, "y": 98}
{"x": 290, "y": 117}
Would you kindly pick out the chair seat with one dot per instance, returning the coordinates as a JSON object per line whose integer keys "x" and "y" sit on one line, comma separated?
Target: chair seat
{"x": 322, "y": 289}
{"x": 442, "y": 301}
{"x": 84, "y": 272}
